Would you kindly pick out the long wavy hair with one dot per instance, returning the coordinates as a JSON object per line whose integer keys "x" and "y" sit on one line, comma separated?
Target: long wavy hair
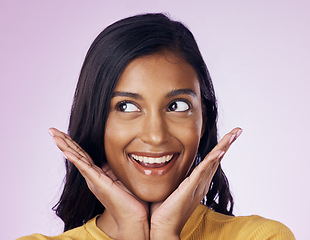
{"x": 113, "y": 49}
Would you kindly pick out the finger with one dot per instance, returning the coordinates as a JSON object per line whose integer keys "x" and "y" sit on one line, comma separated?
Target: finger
{"x": 207, "y": 167}
{"x": 213, "y": 158}
{"x": 205, "y": 171}
{"x": 56, "y": 133}
{"x": 97, "y": 181}
{"x": 198, "y": 183}
{"x": 195, "y": 187}
{"x": 94, "y": 175}
{"x": 71, "y": 143}
{"x": 228, "y": 139}
{"x": 221, "y": 148}
{"x": 66, "y": 143}
{"x": 76, "y": 155}
{"x": 82, "y": 165}
{"x": 108, "y": 171}
{"x": 64, "y": 147}
{"x": 211, "y": 161}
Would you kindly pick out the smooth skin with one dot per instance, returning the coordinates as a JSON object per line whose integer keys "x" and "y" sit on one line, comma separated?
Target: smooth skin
{"x": 155, "y": 109}
{"x": 155, "y": 122}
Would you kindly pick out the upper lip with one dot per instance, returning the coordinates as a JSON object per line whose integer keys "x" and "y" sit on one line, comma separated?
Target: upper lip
{"x": 152, "y": 154}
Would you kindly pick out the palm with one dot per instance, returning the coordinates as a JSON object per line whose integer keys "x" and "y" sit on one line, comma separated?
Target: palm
{"x": 102, "y": 181}
{"x": 172, "y": 214}
{"x": 177, "y": 208}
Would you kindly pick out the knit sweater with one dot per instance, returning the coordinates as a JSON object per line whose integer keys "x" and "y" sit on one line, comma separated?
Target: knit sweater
{"x": 204, "y": 224}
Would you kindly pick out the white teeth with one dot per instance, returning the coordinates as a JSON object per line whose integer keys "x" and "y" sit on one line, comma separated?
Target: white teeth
{"x": 162, "y": 159}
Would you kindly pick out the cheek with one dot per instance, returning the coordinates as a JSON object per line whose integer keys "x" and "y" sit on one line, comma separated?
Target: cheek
{"x": 118, "y": 133}
{"x": 191, "y": 130}
{"x": 191, "y": 142}
{"x": 114, "y": 140}
{"x": 189, "y": 135}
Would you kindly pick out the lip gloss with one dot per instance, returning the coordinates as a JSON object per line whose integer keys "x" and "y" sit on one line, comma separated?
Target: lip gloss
{"x": 154, "y": 169}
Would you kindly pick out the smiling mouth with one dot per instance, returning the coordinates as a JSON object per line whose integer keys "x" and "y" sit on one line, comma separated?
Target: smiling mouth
{"x": 153, "y": 162}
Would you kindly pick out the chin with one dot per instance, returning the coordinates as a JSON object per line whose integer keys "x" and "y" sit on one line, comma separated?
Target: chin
{"x": 153, "y": 193}
{"x": 153, "y": 197}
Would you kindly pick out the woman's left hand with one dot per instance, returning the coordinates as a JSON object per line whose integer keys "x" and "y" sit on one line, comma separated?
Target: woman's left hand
{"x": 169, "y": 217}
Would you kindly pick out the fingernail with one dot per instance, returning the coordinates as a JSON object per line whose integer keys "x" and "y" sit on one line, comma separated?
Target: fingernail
{"x": 51, "y": 133}
{"x": 239, "y": 132}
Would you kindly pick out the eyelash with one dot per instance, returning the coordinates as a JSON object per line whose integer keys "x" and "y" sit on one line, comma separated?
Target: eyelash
{"x": 180, "y": 100}
{"x": 119, "y": 105}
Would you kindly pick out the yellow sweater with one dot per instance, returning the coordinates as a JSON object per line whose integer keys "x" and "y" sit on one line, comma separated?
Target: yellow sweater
{"x": 204, "y": 224}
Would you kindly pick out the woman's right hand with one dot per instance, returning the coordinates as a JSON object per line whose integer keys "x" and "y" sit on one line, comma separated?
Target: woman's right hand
{"x": 129, "y": 213}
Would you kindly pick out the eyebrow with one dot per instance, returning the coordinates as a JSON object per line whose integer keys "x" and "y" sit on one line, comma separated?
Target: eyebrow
{"x": 170, "y": 94}
{"x": 177, "y": 92}
{"x": 126, "y": 94}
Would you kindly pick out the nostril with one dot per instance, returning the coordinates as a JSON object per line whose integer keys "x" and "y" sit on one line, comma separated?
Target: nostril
{"x": 154, "y": 133}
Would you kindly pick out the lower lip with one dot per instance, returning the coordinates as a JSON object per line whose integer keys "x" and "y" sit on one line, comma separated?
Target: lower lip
{"x": 154, "y": 169}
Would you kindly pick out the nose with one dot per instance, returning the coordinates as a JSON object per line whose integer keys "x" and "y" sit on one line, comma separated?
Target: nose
{"x": 154, "y": 129}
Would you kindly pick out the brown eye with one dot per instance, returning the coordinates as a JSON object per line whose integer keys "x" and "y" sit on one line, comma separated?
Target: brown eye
{"x": 127, "y": 107}
{"x": 178, "y": 106}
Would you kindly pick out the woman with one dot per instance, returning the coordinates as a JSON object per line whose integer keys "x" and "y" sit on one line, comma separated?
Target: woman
{"x": 143, "y": 119}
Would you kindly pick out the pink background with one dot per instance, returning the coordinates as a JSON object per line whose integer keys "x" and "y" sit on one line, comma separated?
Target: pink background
{"x": 257, "y": 53}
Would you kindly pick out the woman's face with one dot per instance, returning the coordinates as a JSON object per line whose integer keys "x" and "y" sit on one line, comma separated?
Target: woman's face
{"x": 154, "y": 125}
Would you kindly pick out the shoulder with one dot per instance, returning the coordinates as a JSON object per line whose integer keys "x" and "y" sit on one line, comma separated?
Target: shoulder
{"x": 73, "y": 234}
{"x": 88, "y": 231}
{"x": 219, "y": 226}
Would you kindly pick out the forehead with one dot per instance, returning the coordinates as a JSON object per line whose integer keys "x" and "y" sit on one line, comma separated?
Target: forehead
{"x": 159, "y": 71}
